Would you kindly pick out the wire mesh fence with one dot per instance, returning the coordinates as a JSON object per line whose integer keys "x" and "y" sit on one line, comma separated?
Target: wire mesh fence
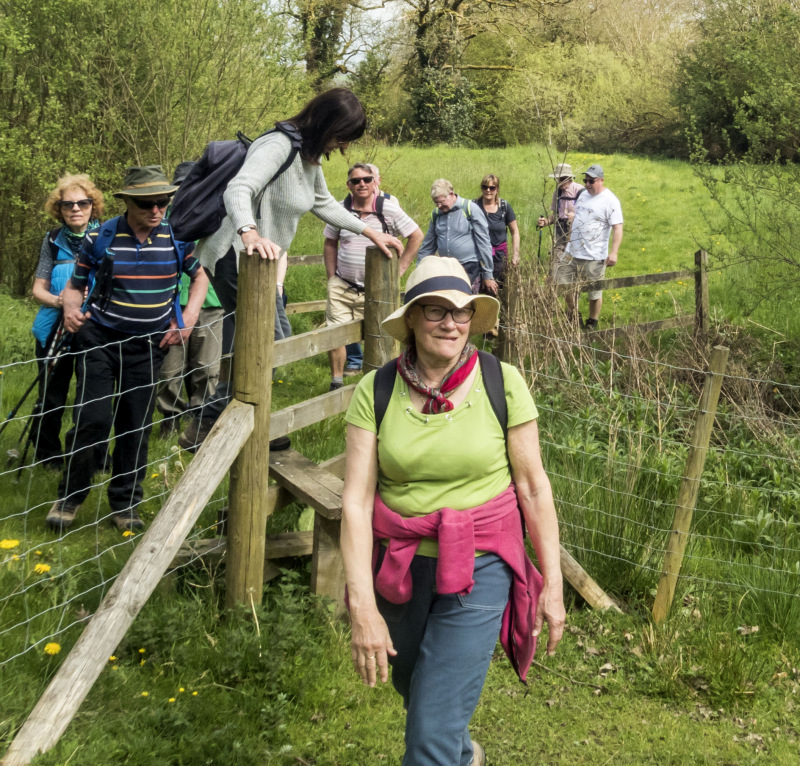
{"x": 614, "y": 430}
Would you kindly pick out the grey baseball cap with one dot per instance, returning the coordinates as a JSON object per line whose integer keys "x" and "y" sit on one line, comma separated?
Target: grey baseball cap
{"x": 594, "y": 171}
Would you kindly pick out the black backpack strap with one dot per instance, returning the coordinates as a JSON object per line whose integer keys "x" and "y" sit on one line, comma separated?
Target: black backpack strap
{"x": 379, "y": 200}
{"x": 348, "y": 203}
{"x": 495, "y": 388}
{"x": 382, "y": 387}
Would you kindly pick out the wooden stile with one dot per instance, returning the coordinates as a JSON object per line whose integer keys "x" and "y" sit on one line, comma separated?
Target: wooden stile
{"x": 252, "y": 377}
{"x": 690, "y": 485}
{"x": 130, "y": 591}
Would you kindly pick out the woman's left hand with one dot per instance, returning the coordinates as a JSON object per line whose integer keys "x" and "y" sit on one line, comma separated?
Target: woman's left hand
{"x": 551, "y": 608}
{"x": 384, "y": 241}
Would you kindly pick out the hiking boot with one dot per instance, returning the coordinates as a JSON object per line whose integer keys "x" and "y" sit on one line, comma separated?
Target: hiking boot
{"x": 62, "y": 514}
{"x": 168, "y": 427}
{"x": 195, "y": 433}
{"x": 478, "y": 754}
{"x": 335, "y": 385}
{"x": 126, "y": 521}
{"x": 280, "y": 444}
{"x": 590, "y": 324}
{"x": 350, "y": 372}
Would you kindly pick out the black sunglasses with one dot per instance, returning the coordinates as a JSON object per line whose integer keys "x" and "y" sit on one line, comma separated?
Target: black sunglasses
{"x": 83, "y": 204}
{"x": 589, "y": 181}
{"x": 147, "y": 204}
{"x": 357, "y": 181}
{"x": 486, "y": 187}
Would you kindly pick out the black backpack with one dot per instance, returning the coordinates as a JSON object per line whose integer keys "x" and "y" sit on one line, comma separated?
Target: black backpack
{"x": 379, "y": 200}
{"x": 491, "y": 370}
{"x": 198, "y": 207}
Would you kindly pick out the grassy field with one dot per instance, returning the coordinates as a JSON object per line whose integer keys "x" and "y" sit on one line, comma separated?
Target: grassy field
{"x": 192, "y": 685}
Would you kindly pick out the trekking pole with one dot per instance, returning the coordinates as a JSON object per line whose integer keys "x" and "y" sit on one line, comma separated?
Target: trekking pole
{"x": 539, "y": 249}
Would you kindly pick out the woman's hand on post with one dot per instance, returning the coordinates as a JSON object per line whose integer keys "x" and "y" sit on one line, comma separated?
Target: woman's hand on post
{"x": 371, "y": 646}
{"x": 384, "y": 241}
{"x": 551, "y": 609}
{"x": 266, "y": 248}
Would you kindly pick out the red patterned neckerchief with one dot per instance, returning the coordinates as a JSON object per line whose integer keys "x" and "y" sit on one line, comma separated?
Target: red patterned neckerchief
{"x": 436, "y": 401}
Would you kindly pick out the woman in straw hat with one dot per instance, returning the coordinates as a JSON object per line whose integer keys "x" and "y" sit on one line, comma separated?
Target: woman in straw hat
{"x": 431, "y": 535}
{"x": 562, "y": 211}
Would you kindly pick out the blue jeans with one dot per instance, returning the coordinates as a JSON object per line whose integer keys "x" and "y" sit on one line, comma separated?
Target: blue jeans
{"x": 444, "y": 646}
{"x": 355, "y": 357}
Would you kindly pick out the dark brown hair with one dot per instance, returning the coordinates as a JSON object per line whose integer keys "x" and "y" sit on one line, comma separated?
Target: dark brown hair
{"x": 335, "y": 114}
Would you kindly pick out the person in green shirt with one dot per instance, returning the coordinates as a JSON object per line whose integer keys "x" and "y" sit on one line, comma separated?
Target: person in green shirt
{"x": 440, "y": 452}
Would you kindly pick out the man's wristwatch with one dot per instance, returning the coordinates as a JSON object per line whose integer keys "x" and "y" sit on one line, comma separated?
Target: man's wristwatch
{"x": 249, "y": 227}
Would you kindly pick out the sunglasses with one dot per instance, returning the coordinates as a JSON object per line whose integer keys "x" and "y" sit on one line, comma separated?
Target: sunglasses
{"x": 487, "y": 187}
{"x": 435, "y": 313}
{"x": 590, "y": 181}
{"x": 83, "y": 204}
{"x": 147, "y": 204}
{"x": 357, "y": 181}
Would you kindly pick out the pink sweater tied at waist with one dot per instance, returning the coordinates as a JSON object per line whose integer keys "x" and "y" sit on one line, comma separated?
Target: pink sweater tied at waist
{"x": 493, "y": 527}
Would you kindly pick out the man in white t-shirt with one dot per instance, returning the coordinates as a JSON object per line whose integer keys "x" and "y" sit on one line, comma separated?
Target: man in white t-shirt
{"x": 598, "y": 214}
{"x": 345, "y": 254}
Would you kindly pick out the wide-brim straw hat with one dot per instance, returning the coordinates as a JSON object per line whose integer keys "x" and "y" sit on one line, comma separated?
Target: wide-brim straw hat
{"x": 145, "y": 182}
{"x": 443, "y": 278}
{"x": 563, "y": 170}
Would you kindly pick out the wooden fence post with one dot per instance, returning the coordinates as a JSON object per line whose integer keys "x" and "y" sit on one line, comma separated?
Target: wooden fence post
{"x": 382, "y": 290}
{"x": 509, "y": 318}
{"x": 252, "y": 376}
{"x": 690, "y": 486}
{"x": 701, "y": 307}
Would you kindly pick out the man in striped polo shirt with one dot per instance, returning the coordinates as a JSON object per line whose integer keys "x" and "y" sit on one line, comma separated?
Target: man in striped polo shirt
{"x": 122, "y": 339}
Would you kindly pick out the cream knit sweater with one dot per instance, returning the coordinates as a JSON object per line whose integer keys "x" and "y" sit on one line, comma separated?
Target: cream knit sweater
{"x": 299, "y": 189}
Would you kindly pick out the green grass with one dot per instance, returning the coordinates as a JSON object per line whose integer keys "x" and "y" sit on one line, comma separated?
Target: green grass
{"x": 694, "y": 690}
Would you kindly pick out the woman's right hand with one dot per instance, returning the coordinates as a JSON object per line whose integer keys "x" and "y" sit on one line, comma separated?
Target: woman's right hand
{"x": 266, "y": 248}
{"x": 371, "y": 646}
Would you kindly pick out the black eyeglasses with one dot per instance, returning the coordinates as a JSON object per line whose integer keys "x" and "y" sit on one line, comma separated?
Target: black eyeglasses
{"x": 148, "y": 204}
{"x": 83, "y": 204}
{"x": 357, "y": 181}
{"x": 590, "y": 181}
{"x": 486, "y": 187}
{"x": 435, "y": 313}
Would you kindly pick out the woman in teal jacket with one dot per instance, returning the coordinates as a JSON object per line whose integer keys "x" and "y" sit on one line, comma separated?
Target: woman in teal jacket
{"x": 77, "y": 204}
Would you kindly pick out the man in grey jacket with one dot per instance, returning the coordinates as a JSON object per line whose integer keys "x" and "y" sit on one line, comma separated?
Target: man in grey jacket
{"x": 459, "y": 229}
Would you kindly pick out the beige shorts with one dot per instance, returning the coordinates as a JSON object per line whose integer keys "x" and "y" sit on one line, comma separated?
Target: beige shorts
{"x": 571, "y": 270}
{"x": 344, "y": 303}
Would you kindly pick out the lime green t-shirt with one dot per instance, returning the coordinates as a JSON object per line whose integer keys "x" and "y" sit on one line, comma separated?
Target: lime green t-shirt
{"x": 455, "y": 459}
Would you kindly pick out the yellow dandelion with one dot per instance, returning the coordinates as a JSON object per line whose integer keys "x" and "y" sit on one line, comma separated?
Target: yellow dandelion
{"x": 171, "y": 699}
{"x": 154, "y": 476}
{"x": 41, "y": 568}
{"x": 280, "y": 381}
{"x": 128, "y": 533}
{"x": 115, "y": 667}
{"x": 194, "y": 694}
{"x": 145, "y": 694}
{"x": 181, "y": 690}
{"x": 142, "y": 651}
{"x": 15, "y": 558}
{"x": 7, "y": 545}
{"x": 38, "y": 553}
{"x": 642, "y": 249}
{"x": 52, "y": 648}
{"x": 112, "y": 658}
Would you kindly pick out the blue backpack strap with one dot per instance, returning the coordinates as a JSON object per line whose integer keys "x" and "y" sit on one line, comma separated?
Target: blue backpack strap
{"x": 104, "y": 239}
{"x": 180, "y": 254}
